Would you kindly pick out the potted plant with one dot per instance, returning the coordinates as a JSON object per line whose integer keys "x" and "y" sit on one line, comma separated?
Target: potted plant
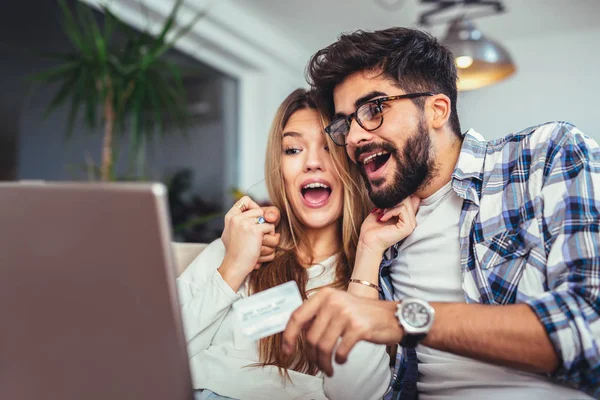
{"x": 118, "y": 81}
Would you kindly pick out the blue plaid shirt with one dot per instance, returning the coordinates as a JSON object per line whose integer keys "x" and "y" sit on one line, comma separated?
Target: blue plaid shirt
{"x": 529, "y": 233}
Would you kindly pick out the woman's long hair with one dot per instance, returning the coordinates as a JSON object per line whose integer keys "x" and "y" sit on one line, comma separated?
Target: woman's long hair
{"x": 286, "y": 265}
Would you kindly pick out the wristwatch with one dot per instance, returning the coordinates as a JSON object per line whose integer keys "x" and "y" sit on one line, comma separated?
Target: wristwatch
{"x": 416, "y": 317}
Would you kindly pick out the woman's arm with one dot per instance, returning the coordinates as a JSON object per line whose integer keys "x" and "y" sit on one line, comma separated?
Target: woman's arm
{"x": 205, "y": 298}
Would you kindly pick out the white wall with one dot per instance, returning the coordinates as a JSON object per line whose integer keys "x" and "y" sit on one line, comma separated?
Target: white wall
{"x": 557, "y": 78}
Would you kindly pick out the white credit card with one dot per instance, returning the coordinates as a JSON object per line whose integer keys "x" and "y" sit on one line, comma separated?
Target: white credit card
{"x": 268, "y": 312}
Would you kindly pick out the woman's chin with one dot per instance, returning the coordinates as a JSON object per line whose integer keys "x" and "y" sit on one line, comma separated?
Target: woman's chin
{"x": 319, "y": 219}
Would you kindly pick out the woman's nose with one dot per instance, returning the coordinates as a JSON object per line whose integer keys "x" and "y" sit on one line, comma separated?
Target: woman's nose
{"x": 314, "y": 161}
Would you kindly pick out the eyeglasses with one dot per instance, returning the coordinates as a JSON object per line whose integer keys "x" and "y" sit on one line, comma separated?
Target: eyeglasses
{"x": 369, "y": 116}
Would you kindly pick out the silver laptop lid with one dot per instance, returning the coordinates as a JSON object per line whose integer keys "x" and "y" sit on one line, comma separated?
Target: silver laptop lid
{"x": 88, "y": 303}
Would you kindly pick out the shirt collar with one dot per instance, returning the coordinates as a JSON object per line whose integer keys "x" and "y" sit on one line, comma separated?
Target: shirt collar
{"x": 470, "y": 166}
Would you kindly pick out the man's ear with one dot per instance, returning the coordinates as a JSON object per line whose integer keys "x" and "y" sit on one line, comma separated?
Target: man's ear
{"x": 441, "y": 108}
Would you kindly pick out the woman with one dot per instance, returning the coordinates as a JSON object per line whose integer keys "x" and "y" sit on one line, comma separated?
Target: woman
{"x": 322, "y": 206}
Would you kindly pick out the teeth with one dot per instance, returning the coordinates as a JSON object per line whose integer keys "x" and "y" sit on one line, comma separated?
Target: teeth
{"x": 315, "y": 185}
{"x": 372, "y": 157}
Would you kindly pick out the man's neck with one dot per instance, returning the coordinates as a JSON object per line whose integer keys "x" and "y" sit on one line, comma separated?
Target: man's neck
{"x": 446, "y": 159}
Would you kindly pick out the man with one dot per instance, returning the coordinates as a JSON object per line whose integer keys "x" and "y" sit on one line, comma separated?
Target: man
{"x": 498, "y": 287}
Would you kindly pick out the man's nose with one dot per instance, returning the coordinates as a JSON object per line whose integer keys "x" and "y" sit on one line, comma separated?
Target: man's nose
{"x": 356, "y": 137}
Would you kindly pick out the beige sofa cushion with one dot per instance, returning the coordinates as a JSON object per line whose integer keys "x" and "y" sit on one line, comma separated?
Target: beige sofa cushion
{"x": 185, "y": 253}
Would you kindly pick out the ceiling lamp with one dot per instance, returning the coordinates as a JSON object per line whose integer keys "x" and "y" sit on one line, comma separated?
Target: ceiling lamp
{"x": 480, "y": 61}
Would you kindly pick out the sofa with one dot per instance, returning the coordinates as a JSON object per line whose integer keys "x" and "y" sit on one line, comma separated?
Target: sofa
{"x": 185, "y": 253}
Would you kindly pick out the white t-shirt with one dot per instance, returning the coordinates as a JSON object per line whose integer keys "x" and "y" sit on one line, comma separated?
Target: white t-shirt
{"x": 428, "y": 267}
{"x": 220, "y": 356}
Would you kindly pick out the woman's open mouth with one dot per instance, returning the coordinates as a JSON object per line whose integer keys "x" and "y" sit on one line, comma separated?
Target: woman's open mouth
{"x": 315, "y": 194}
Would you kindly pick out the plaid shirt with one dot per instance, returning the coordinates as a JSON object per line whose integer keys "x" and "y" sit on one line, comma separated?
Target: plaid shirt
{"x": 529, "y": 233}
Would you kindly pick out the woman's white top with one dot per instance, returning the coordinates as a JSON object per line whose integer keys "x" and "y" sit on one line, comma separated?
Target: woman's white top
{"x": 221, "y": 358}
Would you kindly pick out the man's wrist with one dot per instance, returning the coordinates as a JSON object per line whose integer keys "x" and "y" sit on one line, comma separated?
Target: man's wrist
{"x": 393, "y": 327}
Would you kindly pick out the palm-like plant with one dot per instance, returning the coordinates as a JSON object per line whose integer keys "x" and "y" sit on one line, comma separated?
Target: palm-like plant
{"x": 125, "y": 79}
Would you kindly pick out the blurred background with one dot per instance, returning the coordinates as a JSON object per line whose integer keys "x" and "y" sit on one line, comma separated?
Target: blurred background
{"x": 225, "y": 65}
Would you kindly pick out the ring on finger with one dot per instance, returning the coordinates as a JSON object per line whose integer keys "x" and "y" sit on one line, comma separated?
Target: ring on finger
{"x": 260, "y": 220}
{"x": 240, "y": 204}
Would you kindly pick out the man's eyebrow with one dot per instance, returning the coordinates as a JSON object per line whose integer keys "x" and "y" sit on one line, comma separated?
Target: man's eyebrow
{"x": 367, "y": 97}
{"x": 291, "y": 134}
{"x": 359, "y": 102}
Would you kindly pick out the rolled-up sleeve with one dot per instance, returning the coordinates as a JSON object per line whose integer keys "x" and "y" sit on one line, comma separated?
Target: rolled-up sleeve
{"x": 570, "y": 308}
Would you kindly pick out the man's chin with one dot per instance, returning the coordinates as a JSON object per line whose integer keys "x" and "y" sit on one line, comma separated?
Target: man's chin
{"x": 383, "y": 197}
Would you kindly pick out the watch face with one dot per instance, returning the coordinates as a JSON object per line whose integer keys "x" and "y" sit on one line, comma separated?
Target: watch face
{"x": 415, "y": 315}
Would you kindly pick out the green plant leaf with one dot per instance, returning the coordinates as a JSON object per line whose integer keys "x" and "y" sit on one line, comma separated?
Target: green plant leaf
{"x": 96, "y": 37}
{"x": 70, "y": 26}
{"x": 168, "y": 24}
{"x": 158, "y": 52}
{"x": 87, "y": 34}
{"x": 75, "y": 103}
{"x": 156, "y": 109}
{"x": 91, "y": 102}
{"x": 57, "y": 73}
{"x": 162, "y": 65}
{"x": 61, "y": 95}
{"x": 197, "y": 221}
{"x": 137, "y": 114}
{"x": 110, "y": 21}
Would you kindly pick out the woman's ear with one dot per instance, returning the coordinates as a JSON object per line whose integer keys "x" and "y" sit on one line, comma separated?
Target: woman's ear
{"x": 441, "y": 108}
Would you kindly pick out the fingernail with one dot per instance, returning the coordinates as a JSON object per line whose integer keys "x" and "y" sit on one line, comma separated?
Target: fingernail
{"x": 271, "y": 215}
{"x": 380, "y": 216}
{"x": 374, "y": 210}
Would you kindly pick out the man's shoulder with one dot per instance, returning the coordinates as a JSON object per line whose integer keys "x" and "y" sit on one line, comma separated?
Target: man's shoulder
{"x": 544, "y": 140}
{"x": 538, "y": 134}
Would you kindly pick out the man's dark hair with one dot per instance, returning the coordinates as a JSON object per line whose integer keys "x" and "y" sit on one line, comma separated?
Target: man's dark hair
{"x": 412, "y": 58}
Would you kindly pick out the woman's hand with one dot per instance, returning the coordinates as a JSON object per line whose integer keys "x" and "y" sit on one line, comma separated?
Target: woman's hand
{"x": 243, "y": 239}
{"x": 383, "y": 228}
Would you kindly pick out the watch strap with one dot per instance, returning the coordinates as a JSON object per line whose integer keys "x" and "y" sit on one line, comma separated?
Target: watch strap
{"x": 411, "y": 341}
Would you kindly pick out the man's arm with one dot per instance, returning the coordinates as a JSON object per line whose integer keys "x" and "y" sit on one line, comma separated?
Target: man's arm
{"x": 507, "y": 335}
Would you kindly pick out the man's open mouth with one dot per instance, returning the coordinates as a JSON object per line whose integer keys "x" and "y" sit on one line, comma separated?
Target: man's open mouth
{"x": 375, "y": 161}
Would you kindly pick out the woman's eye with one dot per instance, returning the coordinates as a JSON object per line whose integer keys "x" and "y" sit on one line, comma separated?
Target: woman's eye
{"x": 291, "y": 151}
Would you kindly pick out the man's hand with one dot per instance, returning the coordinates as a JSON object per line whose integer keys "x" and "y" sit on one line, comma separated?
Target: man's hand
{"x": 331, "y": 314}
{"x": 270, "y": 241}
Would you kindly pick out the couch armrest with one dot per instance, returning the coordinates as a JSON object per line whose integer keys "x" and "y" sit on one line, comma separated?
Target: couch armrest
{"x": 185, "y": 253}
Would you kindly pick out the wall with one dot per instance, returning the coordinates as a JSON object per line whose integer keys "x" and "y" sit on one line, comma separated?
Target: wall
{"x": 557, "y": 79}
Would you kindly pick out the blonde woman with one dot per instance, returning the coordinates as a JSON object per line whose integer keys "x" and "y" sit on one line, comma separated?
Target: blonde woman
{"x": 322, "y": 208}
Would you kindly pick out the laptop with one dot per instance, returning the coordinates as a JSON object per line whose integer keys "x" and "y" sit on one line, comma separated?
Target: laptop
{"x": 88, "y": 302}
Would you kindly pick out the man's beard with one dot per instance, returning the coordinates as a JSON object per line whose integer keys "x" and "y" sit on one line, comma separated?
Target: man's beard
{"x": 414, "y": 170}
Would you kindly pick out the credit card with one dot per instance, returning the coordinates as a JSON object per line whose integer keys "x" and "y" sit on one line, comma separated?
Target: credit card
{"x": 268, "y": 312}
